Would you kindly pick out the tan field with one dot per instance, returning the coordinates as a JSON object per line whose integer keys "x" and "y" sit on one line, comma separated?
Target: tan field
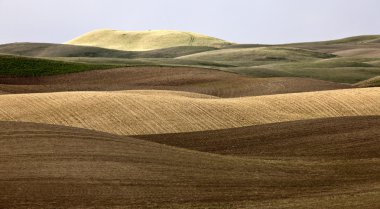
{"x": 153, "y": 112}
{"x": 204, "y": 81}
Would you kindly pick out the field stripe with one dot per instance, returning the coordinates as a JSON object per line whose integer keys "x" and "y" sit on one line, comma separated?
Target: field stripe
{"x": 154, "y": 112}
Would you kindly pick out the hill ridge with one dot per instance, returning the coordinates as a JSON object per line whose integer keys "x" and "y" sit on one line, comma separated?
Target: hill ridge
{"x": 154, "y": 112}
{"x": 145, "y": 40}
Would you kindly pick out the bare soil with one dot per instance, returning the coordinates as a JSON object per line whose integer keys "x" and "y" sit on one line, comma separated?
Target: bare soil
{"x": 45, "y": 166}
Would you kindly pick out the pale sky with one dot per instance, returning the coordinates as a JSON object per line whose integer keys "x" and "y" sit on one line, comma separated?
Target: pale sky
{"x": 241, "y": 21}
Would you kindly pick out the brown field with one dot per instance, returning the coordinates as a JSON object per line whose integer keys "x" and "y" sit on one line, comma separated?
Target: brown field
{"x": 357, "y": 137}
{"x": 61, "y": 167}
{"x": 205, "y": 81}
{"x": 153, "y": 112}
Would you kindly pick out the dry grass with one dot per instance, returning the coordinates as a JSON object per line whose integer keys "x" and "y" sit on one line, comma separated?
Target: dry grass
{"x": 372, "y": 82}
{"x": 145, "y": 40}
{"x": 258, "y": 54}
{"x": 205, "y": 81}
{"x": 360, "y": 53}
{"x": 54, "y": 166}
{"x": 152, "y": 112}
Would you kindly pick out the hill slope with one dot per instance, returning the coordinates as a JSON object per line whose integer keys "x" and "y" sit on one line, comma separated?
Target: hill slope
{"x": 16, "y": 66}
{"x": 154, "y": 112}
{"x": 205, "y": 81}
{"x": 66, "y": 50}
{"x": 145, "y": 40}
{"x": 249, "y": 56}
{"x": 316, "y": 139}
{"x": 54, "y": 166}
{"x": 372, "y": 82}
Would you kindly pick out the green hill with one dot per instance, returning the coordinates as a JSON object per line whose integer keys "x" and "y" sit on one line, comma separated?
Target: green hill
{"x": 252, "y": 56}
{"x": 145, "y": 40}
{"x": 66, "y": 50}
{"x": 24, "y": 66}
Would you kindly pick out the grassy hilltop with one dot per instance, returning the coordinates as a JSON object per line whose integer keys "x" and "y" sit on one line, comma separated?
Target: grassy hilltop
{"x": 145, "y": 40}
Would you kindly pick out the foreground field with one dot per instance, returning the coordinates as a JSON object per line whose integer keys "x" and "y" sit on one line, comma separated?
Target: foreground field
{"x": 205, "y": 81}
{"x": 55, "y": 166}
{"x": 153, "y": 112}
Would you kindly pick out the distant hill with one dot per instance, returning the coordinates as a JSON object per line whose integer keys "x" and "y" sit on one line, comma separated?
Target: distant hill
{"x": 145, "y": 40}
{"x": 67, "y": 50}
{"x": 259, "y": 54}
{"x": 353, "y": 39}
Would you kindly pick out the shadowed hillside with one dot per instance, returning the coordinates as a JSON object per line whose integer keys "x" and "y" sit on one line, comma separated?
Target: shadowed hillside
{"x": 205, "y": 81}
{"x": 15, "y": 66}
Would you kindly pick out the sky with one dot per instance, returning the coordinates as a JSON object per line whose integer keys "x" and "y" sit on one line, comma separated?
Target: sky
{"x": 240, "y": 21}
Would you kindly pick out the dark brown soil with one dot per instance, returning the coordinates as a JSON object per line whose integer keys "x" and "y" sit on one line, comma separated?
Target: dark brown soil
{"x": 343, "y": 138}
{"x": 45, "y": 166}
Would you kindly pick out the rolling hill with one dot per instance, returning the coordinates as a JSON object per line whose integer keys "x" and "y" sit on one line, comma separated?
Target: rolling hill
{"x": 16, "y": 66}
{"x": 365, "y": 52}
{"x": 314, "y": 139}
{"x": 205, "y": 81}
{"x": 261, "y": 55}
{"x": 335, "y": 70}
{"x": 145, "y": 40}
{"x": 359, "y": 46}
{"x": 349, "y": 40}
{"x": 153, "y": 112}
{"x": 171, "y": 119}
{"x": 66, "y": 50}
{"x": 56, "y": 166}
{"x": 372, "y": 82}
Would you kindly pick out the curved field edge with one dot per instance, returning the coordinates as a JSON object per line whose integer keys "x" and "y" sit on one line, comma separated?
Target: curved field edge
{"x": 154, "y": 112}
{"x": 335, "y": 138}
{"x": 55, "y": 166}
{"x": 372, "y": 82}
